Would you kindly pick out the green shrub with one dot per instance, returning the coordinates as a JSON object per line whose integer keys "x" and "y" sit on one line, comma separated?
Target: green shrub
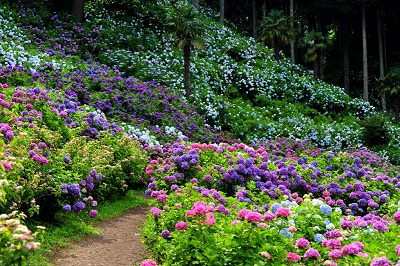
{"x": 375, "y": 131}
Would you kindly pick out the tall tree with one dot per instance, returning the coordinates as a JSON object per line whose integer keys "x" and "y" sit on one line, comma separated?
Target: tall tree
{"x": 188, "y": 29}
{"x": 316, "y": 45}
{"x": 346, "y": 53}
{"x": 391, "y": 85}
{"x": 195, "y": 3}
{"x": 254, "y": 7}
{"x": 381, "y": 63}
{"x": 275, "y": 27}
{"x": 77, "y": 10}
{"x": 292, "y": 30}
{"x": 364, "y": 52}
{"x": 221, "y": 11}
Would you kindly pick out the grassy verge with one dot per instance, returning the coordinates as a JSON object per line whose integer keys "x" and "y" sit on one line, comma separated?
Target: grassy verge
{"x": 69, "y": 227}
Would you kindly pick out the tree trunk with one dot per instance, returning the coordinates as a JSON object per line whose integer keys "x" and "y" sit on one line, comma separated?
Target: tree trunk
{"x": 364, "y": 47}
{"x": 221, "y": 11}
{"x": 316, "y": 69}
{"x": 195, "y": 3}
{"x": 381, "y": 63}
{"x": 397, "y": 107}
{"x": 186, "y": 65}
{"x": 346, "y": 56}
{"x": 254, "y": 19}
{"x": 275, "y": 43}
{"x": 322, "y": 65}
{"x": 291, "y": 29}
{"x": 77, "y": 10}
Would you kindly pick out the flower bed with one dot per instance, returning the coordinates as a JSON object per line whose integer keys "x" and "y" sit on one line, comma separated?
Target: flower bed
{"x": 274, "y": 203}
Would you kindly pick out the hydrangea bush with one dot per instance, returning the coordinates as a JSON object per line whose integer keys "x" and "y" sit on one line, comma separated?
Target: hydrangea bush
{"x": 16, "y": 240}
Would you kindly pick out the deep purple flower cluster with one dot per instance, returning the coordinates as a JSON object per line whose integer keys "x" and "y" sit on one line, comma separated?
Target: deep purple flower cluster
{"x": 74, "y": 190}
{"x": 78, "y": 207}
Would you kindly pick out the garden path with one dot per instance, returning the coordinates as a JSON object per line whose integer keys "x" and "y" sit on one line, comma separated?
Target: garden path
{"x": 117, "y": 245}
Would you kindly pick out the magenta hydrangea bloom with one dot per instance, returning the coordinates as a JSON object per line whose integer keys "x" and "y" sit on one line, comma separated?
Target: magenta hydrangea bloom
{"x": 148, "y": 263}
{"x": 93, "y": 213}
{"x": 333, "y": 234}
{"x": 302, "y": 243}
{"x": 335, "y": 254}
{"x": 380, "y": 226}
{"x": 156, "y": 212}
{"x": 269, "y": 217}
{"x": 243, "y": 213}
{"x": 282, "y": 212}
{"x": 181, "y": 226}
{"x": 331, "y": 243}
{"x": 210, "y": 220}
{"x": 7, "y": 165}
{"x": 398, "y": 250}
{"x": 381, "y": 261}
{"x": 396, "y": 217}
{"x": 311, "y": 253}
{"x": 254, "y": 217}
{"x": 353, "y": 248}
{"x": 292, "y": 257}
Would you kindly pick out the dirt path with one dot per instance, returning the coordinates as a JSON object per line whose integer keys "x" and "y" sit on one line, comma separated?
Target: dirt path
{"x": 118, "y": 243}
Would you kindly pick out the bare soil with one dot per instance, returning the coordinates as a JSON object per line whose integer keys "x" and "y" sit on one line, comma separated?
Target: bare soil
{"x": 119, "y": 243}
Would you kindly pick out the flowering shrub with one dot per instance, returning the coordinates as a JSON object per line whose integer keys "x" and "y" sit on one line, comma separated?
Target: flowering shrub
{"x": 193, "y": 226}
{"x": 16, "y": 240}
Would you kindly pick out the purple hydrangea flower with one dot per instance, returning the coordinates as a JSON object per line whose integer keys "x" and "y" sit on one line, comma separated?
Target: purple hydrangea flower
{"x": 165, "y": 233}
{"x": 93, "y": 213}
{"x": 67, "y": 208}
{"x": 78, "y": 207}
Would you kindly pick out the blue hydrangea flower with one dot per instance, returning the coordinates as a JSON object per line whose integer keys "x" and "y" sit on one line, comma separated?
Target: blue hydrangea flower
{"x": 326, "y": 209}
{"x": 285, "y": 232}
{"x": 275, "y": 207}
{"x": 318, "y": 238}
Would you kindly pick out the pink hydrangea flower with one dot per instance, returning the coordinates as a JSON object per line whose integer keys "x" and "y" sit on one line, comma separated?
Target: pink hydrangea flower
{"x": 265, "y": 254}
{"x": 352, "y": 249}
{"x": 311, "y": 253}
{"x": 335, "y": 254}
{"x": 253, "y": 217}
{"x": 7, "y": 165}
{"x": 210, "y": 219}
{"x": 269, "y": 216}
{"x": 302, "y": 243}
{"x": 283, "y": 212}
{"x": 331, "y": 243}
{"x": 292, "y": 257}
{"x": 262, "y": 225}
{"x": 148, "y": 263}
{"x": 382, "y": 261}
{"x": 156, "y": 212}
{"x": 243, "y": 213}
{"x": 396, "y": 217}
{"x": 398, "y": 250}
{"x": 234, "y": 222}
{"x": 181, "y": 226}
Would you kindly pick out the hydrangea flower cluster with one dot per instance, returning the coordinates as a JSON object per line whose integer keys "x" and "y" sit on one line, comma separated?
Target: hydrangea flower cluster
{"x": 79, "y": 190}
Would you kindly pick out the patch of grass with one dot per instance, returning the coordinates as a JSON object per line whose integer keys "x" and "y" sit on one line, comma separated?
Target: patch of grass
{"x": 69, "y": 227}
